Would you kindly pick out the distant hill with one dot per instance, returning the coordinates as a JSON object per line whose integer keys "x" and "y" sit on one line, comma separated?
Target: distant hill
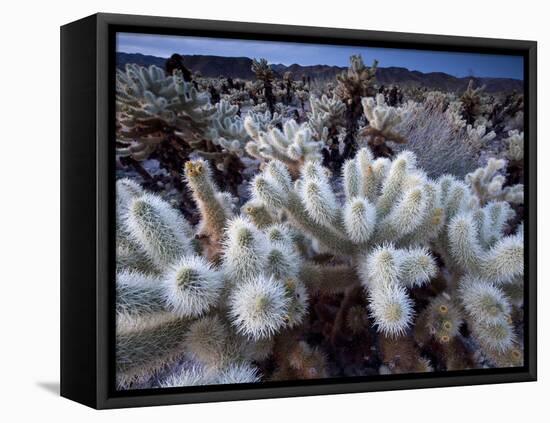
{"x": 210, "y": 66}
{"x": 240, "y": 67}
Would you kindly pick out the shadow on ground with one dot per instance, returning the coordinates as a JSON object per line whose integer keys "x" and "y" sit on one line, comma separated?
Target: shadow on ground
{"x": 51, "y": 387}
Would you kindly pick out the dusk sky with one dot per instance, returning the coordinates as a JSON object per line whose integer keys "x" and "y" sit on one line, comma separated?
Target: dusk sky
{"x": 457, "y": 64}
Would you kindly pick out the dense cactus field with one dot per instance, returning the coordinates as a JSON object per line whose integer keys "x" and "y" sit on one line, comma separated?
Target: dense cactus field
{"x": 280, "y": 228}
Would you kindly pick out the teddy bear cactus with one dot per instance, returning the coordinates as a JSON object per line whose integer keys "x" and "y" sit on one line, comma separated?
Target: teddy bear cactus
{"x": 214, "y": 298}
{"x": 336, "y": 253}
{"x": 179, "y": 301}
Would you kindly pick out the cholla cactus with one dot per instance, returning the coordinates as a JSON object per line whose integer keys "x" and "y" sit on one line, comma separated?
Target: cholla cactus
{"x": 515, "y": 146}
{"x": 262, "y": 70}
{"x": 293, "y": 145}
{"x": 192, "y": 286}
{"x": 178, "y": 305}
{"x": 130, "y": 255}
{"x": 400, "y": 194}
{"x": 238, "y": 373}
{"x": 354, "y": 84}
{"x": 227, "y": 129}
{"x": 167, "y": 118}
{"x": 382, "y": 122}
{"x": 400, "y": 355}
{"x": 138, "y": 294}
{"x": 385, "y": 202}
{"x": 158, "y": 229}
{"x": 489, "y": 260}
{"x": 515, "y": 156}
{"x": 453, "y": 115}
{"x": 262, "y": 121}
{"x": 264, "y": 74}
{"x": 306, "y": 362}
{"x": 258, "y": 307}
{"x": 303, "y": 97}
{"x": 437, "y": 101}
{"x": 440, "y": 320}
{"x": 478, "y": 246}
{"x": 386, "y": 273}
{"x": 488, "y": 184}
{"x": 478, "y": 136}
{"x": 146, "y": 345}
{"x": 149, "y": 102}
{"x": 357, "y": 81}
{"x": 317, "y": 258}
{"x": 327, "y": 116}
{"x": 224, "y": 313}
{"x": 472, "y": 106}
{"x": 194, "y": 375}
{"x": 392, "y": 94}
{"x": 245, "y": 252}
{"x": 213, "y": 205}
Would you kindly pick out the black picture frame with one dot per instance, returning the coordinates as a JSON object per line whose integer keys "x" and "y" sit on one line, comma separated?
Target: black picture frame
{"x": 87, "y": 209}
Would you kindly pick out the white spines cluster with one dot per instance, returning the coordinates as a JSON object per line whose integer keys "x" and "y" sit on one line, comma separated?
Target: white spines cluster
{"x": 478, "y": 136}
{"x": 126, "y": 190}
{"x": 292, "y": 146}
{"x": 213, "y": 343}
{"x": 165, "y": 315}
{"x": 258, "y": 307}
{"x": 515, "y": 146}
{"x": 146, "y": 344}
{"x": 453, "y": 115}
{"x": 384, "y": 202}
{"x": 237, "y": 373}
{"x": 406, "y": 203}
{"x": 262, "y": 268}
{"x": 437, "y": 100}
{"x": 356, "y": 80}
{"x": 192, "y": 286}
{"x": 483, "y": 301}
{"x": 326, "y": 113}
{"x": 138, "y": 294}
{"x": 417, "y": 267}
{"x": 478, "y": 245}
{"x": 193, "y": 375}
{"x": 317, "y": 196}
{"x": 488, "y": 183}
{"x": 245, "y": 252}
{"x": 455, "y": 197}
{"x": 386, "y": 273}
{"x": 143, "y": 94}
{"x": 188, "y": 289}
{"x": 359, "y": 219}
{"x": 190, "y": 102}
{"x": 282, "y": 260}
{"x": 256, "y": 122}
{"x": 491, "y": 262}
{"x": 158, "y": 228}
{"x": 489, "y": 314}
{"x": 227, "y": 129}
{"x": 146, "y": 91}
{"x": 130, "y": 254}
{"x": 382, "y": 117}
{"x": 149, "y": 332}
{"x": 298, "y": 301}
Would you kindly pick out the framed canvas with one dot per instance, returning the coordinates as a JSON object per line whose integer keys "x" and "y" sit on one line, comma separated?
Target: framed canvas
{"x": 257, "y": 211}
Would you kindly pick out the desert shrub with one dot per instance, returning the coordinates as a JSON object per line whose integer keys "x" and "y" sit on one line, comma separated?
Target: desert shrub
{"x": 439, "y": 146}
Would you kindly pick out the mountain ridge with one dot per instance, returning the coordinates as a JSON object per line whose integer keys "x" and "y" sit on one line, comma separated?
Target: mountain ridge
{"x": 240, "y": 67}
